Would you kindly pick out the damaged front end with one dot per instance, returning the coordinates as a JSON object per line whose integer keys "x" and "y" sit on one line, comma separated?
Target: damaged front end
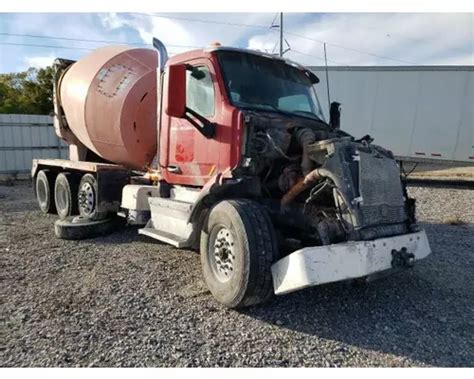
{"x": 323, "y": 187}
{"x": 369, "y": 197}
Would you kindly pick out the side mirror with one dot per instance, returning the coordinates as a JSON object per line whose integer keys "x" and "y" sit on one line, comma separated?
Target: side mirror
{"x": 335, "y": 115}
{"x": 175, "y": 90}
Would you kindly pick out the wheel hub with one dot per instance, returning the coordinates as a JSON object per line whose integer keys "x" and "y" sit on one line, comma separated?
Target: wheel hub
{"x": 86, "y": 198}
{"x": 223, "y": 254}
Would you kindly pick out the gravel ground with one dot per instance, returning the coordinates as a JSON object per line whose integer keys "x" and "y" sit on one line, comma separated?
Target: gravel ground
{"x": 126, "y": 300}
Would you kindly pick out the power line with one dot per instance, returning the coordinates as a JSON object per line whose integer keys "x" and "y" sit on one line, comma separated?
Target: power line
{"x": 89, "y": 49}
{"x": 401, "y": 36}
{"x": 349, "y": 48}
{"x": 308, "y": 55}
{"x": 315, "y": 56}
{"x": 89, "y": 40}
{"x": 45, "y": 46}
{"x": 52, "y": 46}
{"x": 210, "y": 22}
{"x": 266, "y": 27}
{"x": 290, "y": 33}
{"x": 203, "y": 21}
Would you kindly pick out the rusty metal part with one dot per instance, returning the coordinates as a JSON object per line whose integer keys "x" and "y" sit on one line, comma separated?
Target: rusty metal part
{"x": 152, "y": 175}
{"x": 60, "y": 125}
{"x": 300, "y": 186}
{"x": 289, "y": 177}
{"x": 67, "y": 165}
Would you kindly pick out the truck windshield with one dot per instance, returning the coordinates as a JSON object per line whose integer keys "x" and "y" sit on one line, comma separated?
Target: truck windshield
{"x": 258, "y": 82}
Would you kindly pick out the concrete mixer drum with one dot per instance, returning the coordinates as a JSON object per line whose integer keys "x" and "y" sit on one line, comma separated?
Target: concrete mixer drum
{"x": 109, "y": 100}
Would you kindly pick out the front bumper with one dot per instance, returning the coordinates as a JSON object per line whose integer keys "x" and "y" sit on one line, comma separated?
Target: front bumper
{"x": 312, "y": 266}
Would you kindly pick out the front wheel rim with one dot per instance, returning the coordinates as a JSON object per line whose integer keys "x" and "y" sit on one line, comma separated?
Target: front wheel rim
{"x": 221, "y": 254}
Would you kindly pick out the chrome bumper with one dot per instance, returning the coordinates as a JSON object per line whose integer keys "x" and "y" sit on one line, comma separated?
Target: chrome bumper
{"x": 312, "y": 266}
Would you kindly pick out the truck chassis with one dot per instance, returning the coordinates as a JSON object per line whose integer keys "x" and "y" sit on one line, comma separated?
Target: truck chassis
{"x": 285, "y": 202}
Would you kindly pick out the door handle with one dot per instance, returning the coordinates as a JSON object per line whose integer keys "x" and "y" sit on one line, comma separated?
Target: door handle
{"x": 174, "y": 169}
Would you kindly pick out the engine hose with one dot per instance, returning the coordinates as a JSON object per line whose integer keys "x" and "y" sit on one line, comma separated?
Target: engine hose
{"x": 300, "y": 186}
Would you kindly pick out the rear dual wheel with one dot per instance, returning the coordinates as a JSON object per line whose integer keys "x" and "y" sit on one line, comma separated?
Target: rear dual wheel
{"x": 87, "y": 198}
{"x": 44, "y": 191}
{"x": 90, "y": 223}
{"x": 65, "y": 194}
{"x": 56, "y": 193}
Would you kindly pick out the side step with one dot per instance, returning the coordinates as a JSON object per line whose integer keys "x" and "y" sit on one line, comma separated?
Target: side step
{"x": 169, "y": 222}
{"x": 159, "y": 235}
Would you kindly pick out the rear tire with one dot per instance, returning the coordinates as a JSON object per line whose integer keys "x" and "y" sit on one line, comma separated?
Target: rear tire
{"x": 238, "y": 247}
{"x": 44, "y": 191}
{"x": 65, "y": 194}
{"x": 87, "y": 198}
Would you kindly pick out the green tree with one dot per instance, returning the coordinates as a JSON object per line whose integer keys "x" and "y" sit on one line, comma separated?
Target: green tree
{"x": 27, "y": 92}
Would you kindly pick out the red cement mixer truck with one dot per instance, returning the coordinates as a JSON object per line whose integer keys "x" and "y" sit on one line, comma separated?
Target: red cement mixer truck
{"x": 225, "y": 150}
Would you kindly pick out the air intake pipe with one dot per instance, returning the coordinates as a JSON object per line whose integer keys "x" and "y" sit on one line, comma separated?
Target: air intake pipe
{"x": 305, "y": 137}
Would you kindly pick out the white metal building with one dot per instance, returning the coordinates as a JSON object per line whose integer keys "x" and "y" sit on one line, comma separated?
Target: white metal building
{"x": 418, "y": 112}
{"x": 24, "y": 137}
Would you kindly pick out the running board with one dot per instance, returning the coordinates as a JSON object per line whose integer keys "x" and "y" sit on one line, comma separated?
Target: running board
{"x": 162, "y": 236}
{"x": 169, "y": 222}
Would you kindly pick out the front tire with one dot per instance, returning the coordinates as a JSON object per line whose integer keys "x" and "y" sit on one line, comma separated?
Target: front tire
{"x": 238, "y": 247}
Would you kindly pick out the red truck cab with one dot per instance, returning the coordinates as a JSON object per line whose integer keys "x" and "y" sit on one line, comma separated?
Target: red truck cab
{"x": 187, "y": 156}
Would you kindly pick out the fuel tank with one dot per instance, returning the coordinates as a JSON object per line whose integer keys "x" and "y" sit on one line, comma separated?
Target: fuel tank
{"x": 109, "y": 100}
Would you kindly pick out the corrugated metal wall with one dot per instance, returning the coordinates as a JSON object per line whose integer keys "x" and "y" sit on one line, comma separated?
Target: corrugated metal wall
{"x": 24, "y": 137}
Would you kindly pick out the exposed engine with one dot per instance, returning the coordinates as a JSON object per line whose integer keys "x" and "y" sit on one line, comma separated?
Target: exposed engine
{"x": 323, "y": 186}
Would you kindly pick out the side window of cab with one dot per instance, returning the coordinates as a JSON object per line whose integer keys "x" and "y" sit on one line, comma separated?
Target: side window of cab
{"x": 200, "y": 95}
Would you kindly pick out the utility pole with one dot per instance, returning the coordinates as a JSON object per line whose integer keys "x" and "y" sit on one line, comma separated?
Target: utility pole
{"x": 281, "y": 34}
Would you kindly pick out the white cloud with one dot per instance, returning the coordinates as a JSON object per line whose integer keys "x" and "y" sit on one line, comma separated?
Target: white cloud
{"x": 40, "y": 61}
{"x": 84, "y": 26}
{"x": 420, "y": 38}
{"x": 190, "y": 34}
{"x": 263, "y": 43}
{"x": 148, "y": 27}
{"x": 407, "y": 38}
{"x": 111, "y": 20}
{"x": 352, "y": 39}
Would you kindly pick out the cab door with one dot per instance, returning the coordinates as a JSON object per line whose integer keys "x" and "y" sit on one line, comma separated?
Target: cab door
{"x": 186, "y": 156}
